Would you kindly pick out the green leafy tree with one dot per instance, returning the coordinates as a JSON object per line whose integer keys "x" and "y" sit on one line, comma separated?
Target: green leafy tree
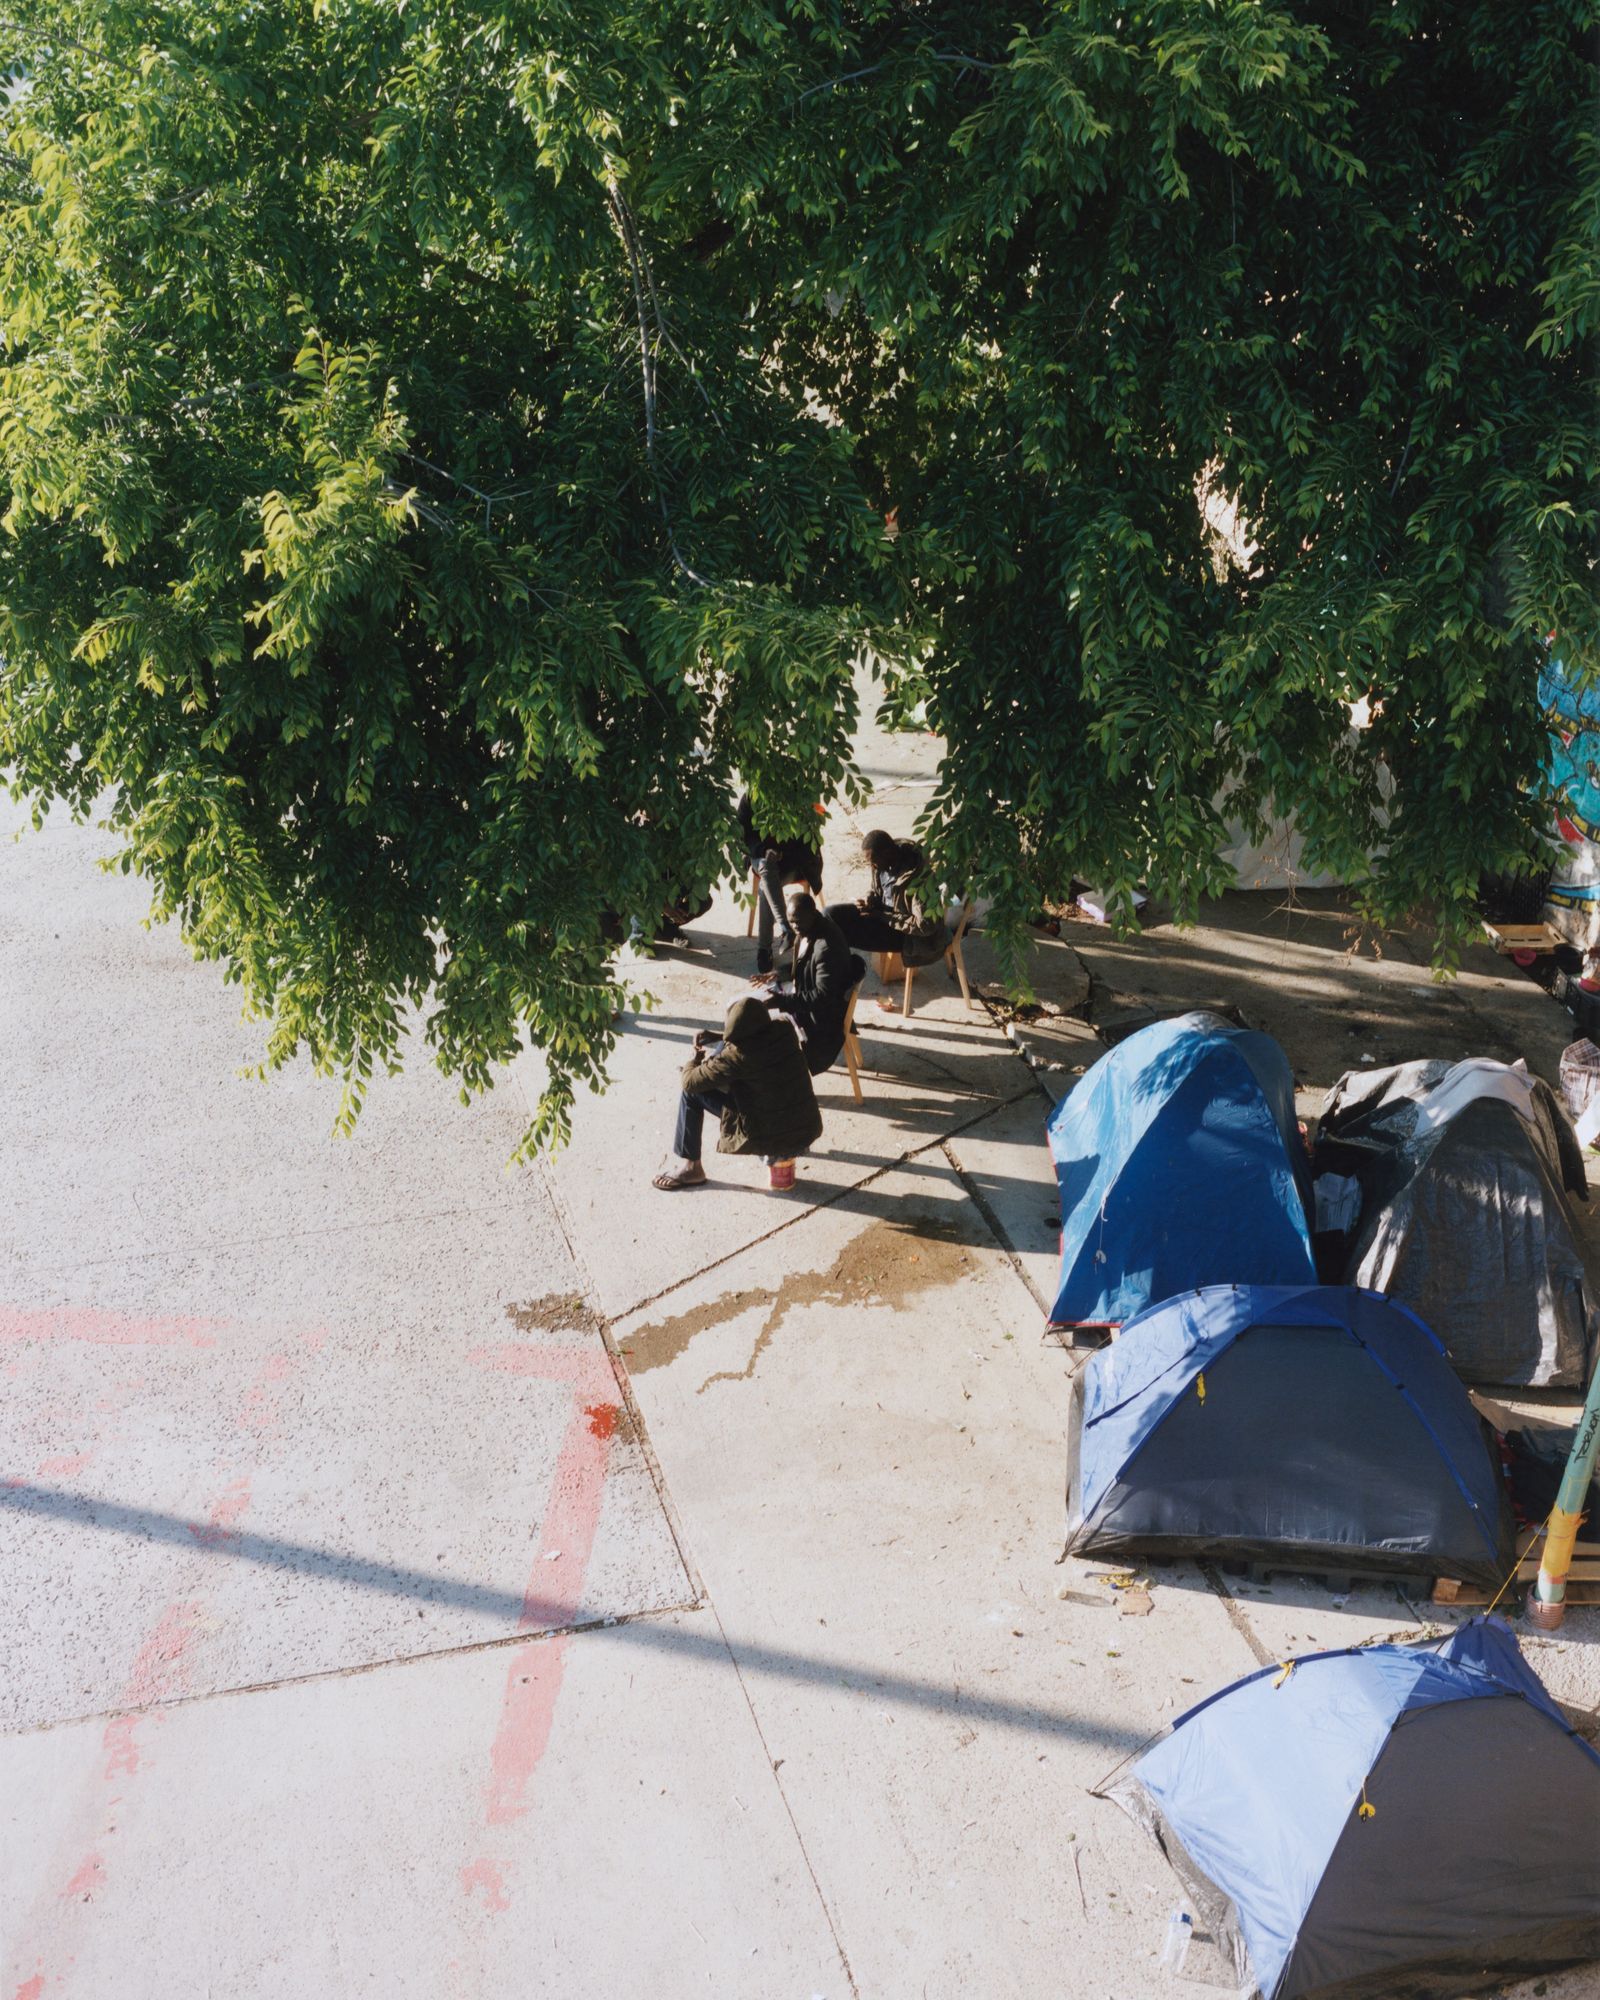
{"x": 441, "y": 446}
{"x": 409, "y": 536}
{"x": 1081, "y": 275}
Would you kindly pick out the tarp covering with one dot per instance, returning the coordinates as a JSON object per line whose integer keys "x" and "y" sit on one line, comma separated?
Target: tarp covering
{"x": 1315, "y": 1424}
{"x": 1464, "y": 1172}
{"x": 1179, "y": 1164}
{"x": 1395, "y": 1823}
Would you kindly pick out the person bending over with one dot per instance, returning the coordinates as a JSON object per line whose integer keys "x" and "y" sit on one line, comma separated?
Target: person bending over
{"x": 776, "y": 864}
{"x": 826, "y": 973}
{"x": 755, "y": 1079}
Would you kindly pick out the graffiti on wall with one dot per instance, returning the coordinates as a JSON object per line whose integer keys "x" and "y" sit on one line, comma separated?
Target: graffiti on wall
{"x": 1572, "y": 715}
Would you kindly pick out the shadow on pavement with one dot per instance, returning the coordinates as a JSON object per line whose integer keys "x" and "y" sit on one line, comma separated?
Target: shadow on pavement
{"x": 528, "y": 1617}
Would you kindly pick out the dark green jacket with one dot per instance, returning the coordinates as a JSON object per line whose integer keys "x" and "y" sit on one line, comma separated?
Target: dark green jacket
{"x": 761, "y": 1067}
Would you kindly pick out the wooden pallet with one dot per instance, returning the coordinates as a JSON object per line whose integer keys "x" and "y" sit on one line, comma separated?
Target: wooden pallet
{"x": 1508, "y": 938}
{"x": 1583, "y": 1578}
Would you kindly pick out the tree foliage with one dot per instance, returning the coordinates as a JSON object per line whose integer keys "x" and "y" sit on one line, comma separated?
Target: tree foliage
{"x": 442, "y": 452}
{"x": 372, "y": 527}
{"x": 1331, "y": 268}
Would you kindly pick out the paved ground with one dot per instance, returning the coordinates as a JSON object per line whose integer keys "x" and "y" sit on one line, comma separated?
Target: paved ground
{"x": 329, "y": 1465}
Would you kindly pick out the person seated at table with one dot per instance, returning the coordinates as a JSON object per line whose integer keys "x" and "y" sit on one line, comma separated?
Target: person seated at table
{"x": 755, "y": 1079}
{"x": 900, "y": 913}
{"x": 776, "y": 864}
{"x": 826, "y": 973}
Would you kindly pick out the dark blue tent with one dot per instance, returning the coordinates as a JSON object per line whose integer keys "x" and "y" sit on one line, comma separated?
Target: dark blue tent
{"x": 1314, "y": 1425}
{"x": 1395, "y": 1823}
{"x": 1180, "y": 1164}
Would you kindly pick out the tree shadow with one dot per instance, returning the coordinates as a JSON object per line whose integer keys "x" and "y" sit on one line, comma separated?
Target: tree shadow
{"x": 526, "y": 1618}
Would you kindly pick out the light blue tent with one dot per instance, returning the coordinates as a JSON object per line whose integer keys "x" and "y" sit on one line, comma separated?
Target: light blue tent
{"x": 1179, "y": 1164}
{"x": 1382, "y": 1824}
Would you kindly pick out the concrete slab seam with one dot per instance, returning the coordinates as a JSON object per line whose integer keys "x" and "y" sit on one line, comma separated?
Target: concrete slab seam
{"x": 619, "y": 1369}
{"x": 995, "y": 1228}
{"x": 357, "y": 1667}
{"x": 783, "y": 1797}
{"x": 823, "y": 1202}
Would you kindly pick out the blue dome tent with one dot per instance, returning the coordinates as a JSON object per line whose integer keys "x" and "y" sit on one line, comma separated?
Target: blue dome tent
{"x": 1314, "y": 1426}
{"x": 1179, "y": 1164}
{"x": 1343, "y": 1823}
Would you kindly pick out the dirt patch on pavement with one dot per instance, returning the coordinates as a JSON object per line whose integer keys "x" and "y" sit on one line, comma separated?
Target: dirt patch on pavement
{"x": 555, "y": 1312}
{"x": 887, "y": 1264}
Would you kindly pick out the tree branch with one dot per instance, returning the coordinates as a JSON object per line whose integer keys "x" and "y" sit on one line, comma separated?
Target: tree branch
{"x": 872, "y": 69}
{"x": 187, "y": 405}
{"x": 622, "y": 221}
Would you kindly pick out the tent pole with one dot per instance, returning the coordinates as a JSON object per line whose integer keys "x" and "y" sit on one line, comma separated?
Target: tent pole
{"x": 1547, "y": 1598}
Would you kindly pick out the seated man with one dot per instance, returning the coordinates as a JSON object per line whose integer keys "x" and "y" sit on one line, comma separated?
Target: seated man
{"x": 756, "y": 1081}
{"x": 776, "y": 863}
{"x": 894, "y": 915}
{"x": 826, "y": 973}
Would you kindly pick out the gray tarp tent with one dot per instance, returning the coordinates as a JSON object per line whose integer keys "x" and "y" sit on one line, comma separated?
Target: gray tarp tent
{"x": 1464, "y": 1172}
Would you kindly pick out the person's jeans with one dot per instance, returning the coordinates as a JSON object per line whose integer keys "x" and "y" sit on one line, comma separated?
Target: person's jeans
{"x": 771, "y": 881}
{"x": 692, "y": 1108}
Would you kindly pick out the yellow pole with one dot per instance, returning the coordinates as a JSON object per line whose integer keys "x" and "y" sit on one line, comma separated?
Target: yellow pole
{"x": 1547, "y": 1599}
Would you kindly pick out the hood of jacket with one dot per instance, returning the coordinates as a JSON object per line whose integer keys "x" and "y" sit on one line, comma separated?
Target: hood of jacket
{"x": 749, "y": 1021}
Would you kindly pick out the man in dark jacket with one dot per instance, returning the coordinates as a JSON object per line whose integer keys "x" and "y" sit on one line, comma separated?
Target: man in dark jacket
{"x": 900, "y": 912}
{"x": 756, "y": 1081}
{"x": 775, "y": 864}
{"x": 826, "y": 973}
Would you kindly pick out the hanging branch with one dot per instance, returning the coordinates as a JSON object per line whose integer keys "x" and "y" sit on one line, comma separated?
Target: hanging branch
{"x": 622, "y": 221}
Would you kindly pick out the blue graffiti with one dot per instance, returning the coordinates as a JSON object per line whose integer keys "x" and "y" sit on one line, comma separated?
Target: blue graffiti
{"x": 1572, "y": 715}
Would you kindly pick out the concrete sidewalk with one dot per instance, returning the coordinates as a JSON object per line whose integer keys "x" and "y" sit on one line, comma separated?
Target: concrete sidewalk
{"x": 862, "y": 1433}
{"x": 443, "y": 1583}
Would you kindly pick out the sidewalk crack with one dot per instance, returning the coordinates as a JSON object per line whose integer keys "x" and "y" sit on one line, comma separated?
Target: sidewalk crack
{"x": 778, "y": 1786}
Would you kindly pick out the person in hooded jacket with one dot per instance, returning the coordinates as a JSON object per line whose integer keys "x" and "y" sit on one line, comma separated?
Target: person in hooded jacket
{"x": 755, "y": 1079}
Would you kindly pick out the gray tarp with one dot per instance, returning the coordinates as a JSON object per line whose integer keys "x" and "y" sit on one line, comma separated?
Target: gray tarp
{"x": 1464, "y": 1172}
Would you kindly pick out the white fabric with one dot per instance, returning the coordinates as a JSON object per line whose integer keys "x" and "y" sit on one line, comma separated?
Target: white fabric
{"x": 1338, "y": 1201}
{"x": 1478, "y": 1076}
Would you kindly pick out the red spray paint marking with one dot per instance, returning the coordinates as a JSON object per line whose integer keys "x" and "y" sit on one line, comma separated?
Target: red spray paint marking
{"x": 161, "y": 1669}
{"x": 66, "y": 1467}
{"x": 106, "y": 1329}
{"x": 588, "y": 1372}
{"x": 527, "y": 1714}
{"x": 226, "y": 1511}
{"x": 487, "y": 1876}
{"x": 555, "y": 1588}
{"x": 91, "y": 1873}
{"x": 122, "y": 1751}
